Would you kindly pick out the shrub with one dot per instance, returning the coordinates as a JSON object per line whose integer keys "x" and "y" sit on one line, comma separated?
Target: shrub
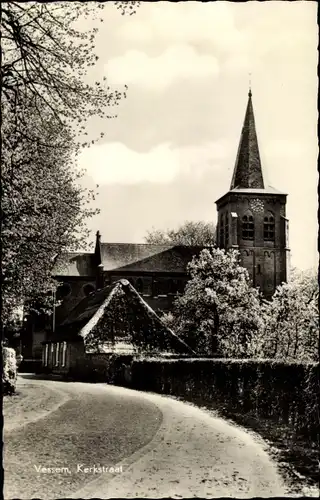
{"x": 284, "y": 392}
{"x": 110, "y": 368}
{"x": 9, "y": 373}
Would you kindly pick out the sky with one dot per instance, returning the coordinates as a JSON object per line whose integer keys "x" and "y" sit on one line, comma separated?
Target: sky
{"x": 170, "y": 152}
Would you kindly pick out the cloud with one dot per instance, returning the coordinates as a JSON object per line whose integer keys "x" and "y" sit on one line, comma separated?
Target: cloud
{"x": 171, "y": 151}
{"x": 196, "y": 22}
{"x": 176, "y": 62}
{"x": 115, "y": 163}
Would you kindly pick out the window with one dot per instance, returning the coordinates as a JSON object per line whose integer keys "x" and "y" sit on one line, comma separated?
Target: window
{"x": 247, "y": 227}
{"x": 180, "y": 286}
{"x": 268, "y": 228}
{"x": 221, "y": 236}
{"x": 64, "y": 354}
{"x": 139, "y": 285}
{"x": 57, "y": 353}
{"x": 172, "y": 286}
{"x": 63, "y": 291}
{"x": 46, "y": 354}
{"x": 226, "y": 229}
{"x": 88, "y": 288}
{"x": 51, "y": 353}
{"x": 155, "y": 288}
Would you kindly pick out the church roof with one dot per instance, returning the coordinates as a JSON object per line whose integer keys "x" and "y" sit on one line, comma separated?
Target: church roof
{"x": 141, "y": 257}
{"x": 266, "y": 190}
{"x": 146, "y": 257}
{"x": 88, "y": 306}
{"x": 119, "y": 255}
{"x": 75, "y": 264}
{"x": 269, "y": 190}
{"x": 247, "y": 171}
{"x": 90, "y": 317}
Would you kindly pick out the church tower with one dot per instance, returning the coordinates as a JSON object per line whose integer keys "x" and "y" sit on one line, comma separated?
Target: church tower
{"x": 252, "y": 215}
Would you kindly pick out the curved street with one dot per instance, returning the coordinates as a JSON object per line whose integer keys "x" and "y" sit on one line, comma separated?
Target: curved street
{"x": 155, "y": 447}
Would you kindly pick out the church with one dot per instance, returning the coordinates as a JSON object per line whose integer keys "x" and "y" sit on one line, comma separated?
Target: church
{"x": 252, "y": 215}
{"x": 251, "y": 219}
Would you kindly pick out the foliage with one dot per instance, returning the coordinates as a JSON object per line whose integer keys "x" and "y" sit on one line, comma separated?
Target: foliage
{"x": 45, "y": 103}
{"x": 44, "y": 211}
{"x": 219, "y": 310}
{"x": 46, "y": 58}
{"x": 285, "y": 392}
{"x": 291, "y": 320}
{"x": 9, "y": 370}
{"x": 128, "y": 7}
{"x": 190, "y": 233}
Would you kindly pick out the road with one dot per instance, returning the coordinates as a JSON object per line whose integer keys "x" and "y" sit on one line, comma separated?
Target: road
{"x": 157, "y": 446}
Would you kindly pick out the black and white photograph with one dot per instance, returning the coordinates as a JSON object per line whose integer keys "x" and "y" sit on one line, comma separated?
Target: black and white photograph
{"x": 159, "y": 253}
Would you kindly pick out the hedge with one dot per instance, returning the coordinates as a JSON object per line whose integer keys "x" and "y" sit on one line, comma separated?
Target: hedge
{"x": 285, "y": 392}
{"x": 9, "y": 370}
{"x": 111, "y": 368}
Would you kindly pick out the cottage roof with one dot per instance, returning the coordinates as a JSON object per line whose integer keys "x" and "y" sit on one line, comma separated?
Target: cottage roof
{"x": 84, "y": 319}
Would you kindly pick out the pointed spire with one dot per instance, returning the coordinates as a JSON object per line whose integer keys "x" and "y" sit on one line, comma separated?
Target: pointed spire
{"x": 97, "y": 250}
{"x": 247, "y": 171}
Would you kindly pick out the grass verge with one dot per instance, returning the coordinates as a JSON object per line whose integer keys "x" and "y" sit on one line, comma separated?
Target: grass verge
{"x": 297, "y": 457}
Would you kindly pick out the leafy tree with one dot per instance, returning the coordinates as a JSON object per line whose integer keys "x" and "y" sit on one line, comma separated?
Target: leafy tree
{"x": 190, "y": 233}
{"x": 45, "y": 102}
{"x": 127, "y": 7}
{"x": 44, "y": 211}
{"x": 291, "y": 329}
{"x": 219, "y": 312}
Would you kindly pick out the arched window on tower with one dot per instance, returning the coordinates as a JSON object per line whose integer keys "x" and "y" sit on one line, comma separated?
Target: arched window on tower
{"x": 221, "y": 235}
{"x": 248, "y": 226}
{"x": 268, "y": 227}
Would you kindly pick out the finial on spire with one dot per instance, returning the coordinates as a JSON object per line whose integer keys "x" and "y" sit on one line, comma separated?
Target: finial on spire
{"x": 250, "y": 93}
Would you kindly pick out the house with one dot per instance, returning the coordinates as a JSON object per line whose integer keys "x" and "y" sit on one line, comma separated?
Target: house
{"x": 158, "y": 272}
{"x": 112, "y": 320}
